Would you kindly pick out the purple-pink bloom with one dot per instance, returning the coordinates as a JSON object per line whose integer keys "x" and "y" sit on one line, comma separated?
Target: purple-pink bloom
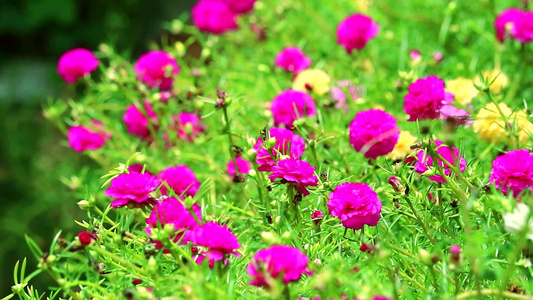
{"x": 355, "y": 204}
{"x": 415, "y": 55}
{"x": 438, "y": 56}
{"x": 76, "y": 63}
{"x": 240, "y": 6}
{"x": 292, "y": 59}
{"x": 172, "y": 211}
{"x": 278, "y": 261}
{"x": 218, "y": 239}
{"x": 513, "y": 171}
{"x": 213, "y": 16}
{"x": 188, "y": 125}
{"x": 374, "y": 133}
{"x": 81, "y": 138}
{"x": 291, "y": 105}
{"x": 505, "y": 23}
{"x": 287, "y": 144}
{"x": 296, "y": 172}
{"x": 524, "y": 27}
{"x": 134, "y": 188}
{"x": 156, "y": 69}
{"x": 425, "y": 98}
{"x": 181, "y": 179}
{"x": 317, "y": 216}
{"x": 450, "y": 154}
{"x": 459, "y": 116}
{"x": 355, "y": 31}
{"x": 137, "y": 122}
{"x": 243, "y": 166}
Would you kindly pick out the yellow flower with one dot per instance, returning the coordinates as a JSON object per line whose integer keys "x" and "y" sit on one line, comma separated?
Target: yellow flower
{"x": 490, "y": 124}
{"x": 523, "y": 126}
{"x": 315, "y": 79}
{"x": 500, "y": 80}
{"x": 403, "y": 147}
{"x": 463, "y": 89}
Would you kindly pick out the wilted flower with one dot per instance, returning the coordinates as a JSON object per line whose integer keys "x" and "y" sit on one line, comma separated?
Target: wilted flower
{"x": 286, "y": 144}
{"x": 425, "y": 98}
{"x": 463, "y": 89}
{"x": 156, "y": 69}
{"x": 217, "y": 238}
{"x": 355, "y": 31}
{"x": 134, "y": 188}
{"x": 292, "y": 59}
{"x": 243, "y": 166}
{"x": 514, "y": 171}
{"x": 312, "y": 80}
{"x": 76, "y": 63}
{"x": 188, "y": 125}
{"x": 355, "y": 204}
{"x": 286, "y": 262}
{"x": 403, "y": 146}
{"x": 137, "y": 122}
{"x": 450, "y": 155}
{"x": 291, "y": 105}
{"x": 298, "y": 173}
{"x": 213, "y": 16}
{"x": 240, "y": 6}
{"x": 181, "y": 179}
{"x": 516, "y": 220}
{"x": 373, "y": 133}
{"x": 81, "y": 138}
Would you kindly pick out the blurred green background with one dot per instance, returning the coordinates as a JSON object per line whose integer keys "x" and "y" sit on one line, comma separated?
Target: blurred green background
{"x": 33, "y": 34}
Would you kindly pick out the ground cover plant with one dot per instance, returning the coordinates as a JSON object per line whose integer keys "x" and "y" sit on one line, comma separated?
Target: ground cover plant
{"x": 302, "y": 150}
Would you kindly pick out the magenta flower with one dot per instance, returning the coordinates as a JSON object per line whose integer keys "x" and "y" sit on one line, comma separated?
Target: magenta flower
{"x": 280, "y": 261}
{"x": 181, "y": 179}
{"x": 156, "y": 69}
{"x": 76, "y": 63}
{"x": 172, "y": 211}
{"x": 132, "y": 188}
{"x": 355, "y": 204}
{"x": 298, "y": 173}
{"x": 317, "y": 216}
{"x": 415, "y": 55}
{"x": 505, "y": 23}
{"x": 425, "y": 98}
{"x": 287, "y": 144}
{"x": 513, "y": 171}
{"x": 374, "y": 133}
{"x": 239, "y": 7}
{"x": 218, "y": 239}
{"x": 188, "y": 126}
{"x": 291, "y": 105}
{"x": 355, "y": 31}
{"x": 81, "y": 138}
{"x": 137, "y": 122}
{"x": 243, "y": 165}
{"x": 213, "y": 16}
{"x": 449, "y": 154}
{"x": 292, "y": 59}
{"x": 524, "y": 27}
{"x": 458, "y": 116}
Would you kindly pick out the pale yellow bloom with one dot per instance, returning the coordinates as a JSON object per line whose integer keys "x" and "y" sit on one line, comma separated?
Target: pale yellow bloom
{"x": 523, "y": 126}
{"x": 316, "y": 79}
{"x": 500, "y": 80}
{"x": 490, "y": 124}
{"x": 403, "y": 147}
{"x": 463, "y": 89}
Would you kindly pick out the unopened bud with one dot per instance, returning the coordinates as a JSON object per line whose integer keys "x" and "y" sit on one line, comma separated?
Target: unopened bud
{"x": 455, "y": 253}
{"x": 396, "y": 184}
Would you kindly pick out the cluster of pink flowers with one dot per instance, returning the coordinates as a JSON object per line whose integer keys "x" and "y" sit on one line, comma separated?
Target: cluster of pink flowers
{"x": 219, "y": 16}
{"x": 513, "y": 172}
{"x": 292, "y": 59}
{"x": 291, "y": 105}
{"x": 295, "y": 172}
{"x": 425, "y": 98}
{"x": 355, "y": 204}
{"x": 180, "y": 179}
{"x": 156, "y": 69}
{"x": 132, "y": 188}
{"x": 374, "y": 133}
{"x": 286, "y": 144}
{"x": 75, "y": 64}
{"x": 451, "y": 156}
{"x": 514, "y": 23}
{"x": 355, "y": 31}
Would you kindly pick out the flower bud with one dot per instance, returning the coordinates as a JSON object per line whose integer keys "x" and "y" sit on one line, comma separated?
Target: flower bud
{"x": 425, "y": 257}
{"x": 396, "y": 184}
{"x": 271, "y": 142}
{"x": 455, "y": 254}
{"x": 169, "y": 229}
{"x": 152, "y": 265}
{"x": 180, "y": 49}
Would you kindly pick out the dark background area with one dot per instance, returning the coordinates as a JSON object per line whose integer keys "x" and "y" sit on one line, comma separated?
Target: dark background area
{"x": 34, "y": 159}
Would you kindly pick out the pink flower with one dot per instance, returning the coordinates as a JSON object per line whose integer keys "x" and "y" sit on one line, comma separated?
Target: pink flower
{"x": 505, "y": 23}
{"x": 181, "y": 179}
{"x": 287, "y": 144}
{"x": 355, "y": 31}
{"x": 188, "y": 126}
{"x": 134, "y": 188}
{"x": 524, "y": 27}
{"x": 156, "y": 69}
{"x": 278, "y": 261}
{"x": 291, "y": 105}
{"x": 374, "y": 133}
{"x": 85, "y": 237}
{"x": 292, "y": 59}
{"x": 137, "y": 168}
{"x": 438, "y": 56}
{"x": 457, "y": 115}
{"x": 213, "y": 16}
{"x": 513, "y": 171}
{"x": 317, "y": 216}
{"x": 298, "y": 173}
{"x": 425, "y": 98}
{"x": 243, "y": 165}
{"x": 415, "y": 55}
{"x": 172, "y": 211}
{"x": 240, "y": 6}
{"x": 81, "y": 138}
{"x": 449, "y": 154}
{"x": 218, "y": 239}
{"x": 137, "y": 122}
{"x": 355, "y": 204}
{"x": 76, "y": 63}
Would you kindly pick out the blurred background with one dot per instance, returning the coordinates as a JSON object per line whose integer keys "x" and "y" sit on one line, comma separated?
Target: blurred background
{"x": 33, "y": 161}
